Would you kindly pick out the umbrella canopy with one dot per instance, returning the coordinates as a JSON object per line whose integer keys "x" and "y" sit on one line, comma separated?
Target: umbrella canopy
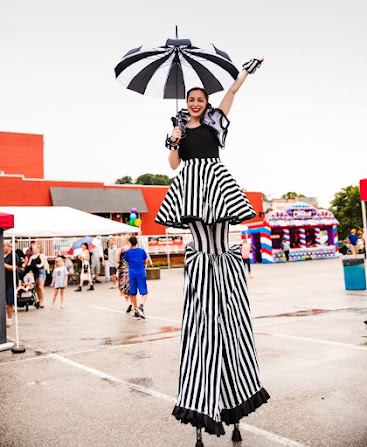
{"x": 169, "y": 71}
{"x": 76, "y": 248}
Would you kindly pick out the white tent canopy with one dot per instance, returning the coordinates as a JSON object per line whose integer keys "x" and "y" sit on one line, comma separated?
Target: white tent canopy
{"x": 60, "y": 221}
{"x": 232, "y": 229}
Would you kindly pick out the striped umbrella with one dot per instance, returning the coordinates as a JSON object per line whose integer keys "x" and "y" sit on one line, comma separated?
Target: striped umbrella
{"x": 169, "y": 71}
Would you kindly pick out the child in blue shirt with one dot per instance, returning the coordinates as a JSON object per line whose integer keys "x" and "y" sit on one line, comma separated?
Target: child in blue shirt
{"x": 137, "y": 258}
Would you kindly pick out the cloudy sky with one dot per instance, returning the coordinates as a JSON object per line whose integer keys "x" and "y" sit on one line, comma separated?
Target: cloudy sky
{"x": 298, "y": 124}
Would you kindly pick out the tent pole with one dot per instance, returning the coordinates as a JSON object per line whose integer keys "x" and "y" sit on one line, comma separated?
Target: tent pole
{"x": 168, "y": 256}
{"x": 16, "y": 350}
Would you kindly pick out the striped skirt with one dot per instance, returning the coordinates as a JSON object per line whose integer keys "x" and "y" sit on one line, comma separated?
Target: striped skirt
{"x": 218, "y": 356}
{"x": 204, "y": 190}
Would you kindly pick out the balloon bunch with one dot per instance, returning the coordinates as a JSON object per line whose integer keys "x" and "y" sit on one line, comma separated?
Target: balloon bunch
{"x": 134, "y": 220}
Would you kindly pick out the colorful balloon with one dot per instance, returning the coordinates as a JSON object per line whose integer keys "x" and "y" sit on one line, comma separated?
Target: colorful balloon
{"x": 134, "y": 211}
{"x": 137, "y": 222}
{"x": 131, "y": 222}
{"x": 133, "y": 216}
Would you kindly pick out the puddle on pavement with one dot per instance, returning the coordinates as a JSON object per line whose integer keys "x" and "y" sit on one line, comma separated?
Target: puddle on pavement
{"x": 299, "y": 313}
{"x": 109, "y": 381}
{"x": 312, "y": 312}
{"x": 145, "y": 382}
{"x": 133, "y": 339}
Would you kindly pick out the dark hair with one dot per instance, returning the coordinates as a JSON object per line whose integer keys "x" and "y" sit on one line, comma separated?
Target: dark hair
{"x": 133, "y": 241}
{"x": 198, "y": 88}
{"x": 84, "y": 243}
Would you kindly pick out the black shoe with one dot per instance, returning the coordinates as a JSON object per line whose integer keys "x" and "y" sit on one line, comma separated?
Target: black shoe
{"x": 97, "y": 281}
{"x": 129, "y": 308}
{"x": 90, "y": 288}
{"x": 140, "y": 311}
{"x": 79, "y": 289}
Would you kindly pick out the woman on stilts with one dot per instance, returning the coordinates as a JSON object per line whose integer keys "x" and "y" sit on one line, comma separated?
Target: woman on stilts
{"x": 219, "y": 374}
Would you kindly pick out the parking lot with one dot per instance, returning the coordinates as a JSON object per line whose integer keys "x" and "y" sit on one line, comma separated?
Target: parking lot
{"x": 93, "y": 376}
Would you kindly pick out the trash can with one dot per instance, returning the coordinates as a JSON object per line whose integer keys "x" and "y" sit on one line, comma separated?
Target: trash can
{"x": 354, "y": 274}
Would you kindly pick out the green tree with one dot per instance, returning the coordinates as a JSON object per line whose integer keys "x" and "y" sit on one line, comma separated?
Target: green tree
{"x": 122, "y": 180}
{"x": 292, "y": 195}
{"x": 145, "y": 179}
{"x": 160, "y": 179}
{"x": 346, "y": 207}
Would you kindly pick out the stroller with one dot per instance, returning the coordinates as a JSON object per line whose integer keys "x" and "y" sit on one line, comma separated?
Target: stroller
{"x": 27, "y": 296}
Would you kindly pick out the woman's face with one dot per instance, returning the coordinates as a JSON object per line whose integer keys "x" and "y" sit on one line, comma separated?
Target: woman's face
{"x": 196, "y": 103}
{"x": 36, "y": 249}
{"x": 85, "y": 246}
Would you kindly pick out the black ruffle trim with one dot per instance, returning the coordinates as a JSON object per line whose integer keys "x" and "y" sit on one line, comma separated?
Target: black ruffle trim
{"x": 231, "y": 416}
{"x": 198, "y": 420}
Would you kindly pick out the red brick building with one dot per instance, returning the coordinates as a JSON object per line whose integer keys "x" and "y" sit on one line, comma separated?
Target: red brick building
{"x": 22, "y": 183}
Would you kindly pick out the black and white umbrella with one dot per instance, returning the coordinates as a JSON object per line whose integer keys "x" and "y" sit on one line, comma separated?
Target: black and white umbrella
{"x": 169, "y": 71}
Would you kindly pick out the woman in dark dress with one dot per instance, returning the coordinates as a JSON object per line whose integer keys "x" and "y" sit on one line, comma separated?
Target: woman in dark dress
{"x": 219, "y": 374}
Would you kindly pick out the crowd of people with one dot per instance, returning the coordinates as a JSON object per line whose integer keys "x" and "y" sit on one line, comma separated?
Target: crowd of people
{"x": 124, "y": 266}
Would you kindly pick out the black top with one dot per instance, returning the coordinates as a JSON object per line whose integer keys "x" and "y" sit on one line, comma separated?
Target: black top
{"x": 200, "y": 142}
{"x": 9, "y": 273}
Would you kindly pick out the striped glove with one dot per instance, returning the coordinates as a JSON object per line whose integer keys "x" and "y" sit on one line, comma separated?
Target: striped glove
{"x": 251, "y": 66}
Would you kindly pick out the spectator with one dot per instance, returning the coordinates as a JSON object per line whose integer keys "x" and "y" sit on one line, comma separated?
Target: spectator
{"x": 20, "y": 254}
{"x": 95, "y": 264}
{"x": 68, "y": 263}
{"x": 285, "y": 248}
{"x": 123, "y": 273}
{"x": 112, "y": 250}
{"x": 59, "y": 281}
{"x": 9, "y": 283}
{"x": 85, "y": 274}
{"x": 38, "y": 263}
{"x": 137, "y": 258}
{"x": 246, "y": 254}
{"x": 106, "y": 265}
{"x": 296, "y": 241}
{"x": 27, "y": 283}
{"x": 352, "y": 239}
{"x": 29, "y": 253}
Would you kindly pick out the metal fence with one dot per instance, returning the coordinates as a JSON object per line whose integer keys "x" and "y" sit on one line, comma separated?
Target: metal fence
{"x": 152, "y": 244}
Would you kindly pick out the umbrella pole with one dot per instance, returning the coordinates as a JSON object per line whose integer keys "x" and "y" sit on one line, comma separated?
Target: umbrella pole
{"x": 16, "y": 350}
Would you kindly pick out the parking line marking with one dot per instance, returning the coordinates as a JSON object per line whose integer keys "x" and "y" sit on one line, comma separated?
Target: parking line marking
{"x": 148, "y": 316}
{"x": 257, "y": 431}
{"x": 315, "y": 340}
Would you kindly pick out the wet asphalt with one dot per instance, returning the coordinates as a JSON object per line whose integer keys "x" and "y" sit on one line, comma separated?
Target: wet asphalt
{"x": 93, "y": 376}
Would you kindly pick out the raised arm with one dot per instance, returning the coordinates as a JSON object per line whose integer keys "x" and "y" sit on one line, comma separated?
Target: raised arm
{"x": 249, "y": 68}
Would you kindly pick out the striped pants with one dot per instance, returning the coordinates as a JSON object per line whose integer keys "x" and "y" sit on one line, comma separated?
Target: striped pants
{"x": 219, "y": 373}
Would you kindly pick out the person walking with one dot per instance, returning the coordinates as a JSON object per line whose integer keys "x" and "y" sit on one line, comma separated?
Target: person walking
{"x": 95, "y": 264}
{"x": 85, "y": 273}
{"x": 106, "y": 265}
{"x": 59, "y": 281}
{"x": 136, "y": 259}
{"x": 38, "y": 264}
{"x": 352, "y": 239}
{"x": 123, "y": 272}
{"x": 285, "y": 249}
{"x": 112, "y": 261}
{"x": 9, "y": 282}
{"x": 219, "y": 366}
{"x": 246, "y": 249}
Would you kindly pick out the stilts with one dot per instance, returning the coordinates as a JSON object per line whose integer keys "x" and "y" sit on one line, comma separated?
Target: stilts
{"x": 199, "y": 442}
{"x": 236, "y": 437}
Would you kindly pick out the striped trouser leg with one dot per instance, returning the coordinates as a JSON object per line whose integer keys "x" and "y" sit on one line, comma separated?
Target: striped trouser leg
{"x": 218, "y": 356}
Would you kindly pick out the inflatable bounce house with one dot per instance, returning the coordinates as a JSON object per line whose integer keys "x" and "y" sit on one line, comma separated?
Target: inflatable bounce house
{"x": 311, "y": 233}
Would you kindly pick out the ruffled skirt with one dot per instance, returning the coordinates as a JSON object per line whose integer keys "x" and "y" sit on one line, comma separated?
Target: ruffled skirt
{"x": 204, "y": 190}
